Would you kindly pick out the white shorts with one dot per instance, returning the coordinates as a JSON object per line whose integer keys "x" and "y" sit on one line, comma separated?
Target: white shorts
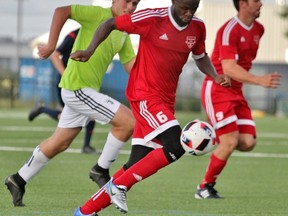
{"x": 84, "y": 105}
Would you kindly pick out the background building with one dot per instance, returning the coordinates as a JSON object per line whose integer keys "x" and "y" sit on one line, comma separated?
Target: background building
{"x": 24, "y": 22}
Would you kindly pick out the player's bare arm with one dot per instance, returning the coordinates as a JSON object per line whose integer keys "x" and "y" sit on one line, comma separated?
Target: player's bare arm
{"x": 60, "y": 16}
{"x": 236, "y": 72}
{"x": 206, "y": 67}
{"x": 100, "y": 35}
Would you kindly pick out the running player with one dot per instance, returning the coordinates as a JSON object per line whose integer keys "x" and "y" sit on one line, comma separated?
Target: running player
{"x": 167, "y": 37}
{"x": 80, "y": 85}
{"x": 236, "y": 46}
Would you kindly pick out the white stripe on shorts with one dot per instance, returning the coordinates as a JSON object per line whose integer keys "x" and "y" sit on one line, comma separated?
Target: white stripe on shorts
{"x": 84, "y": 105}
{"x": 93, "y": 104}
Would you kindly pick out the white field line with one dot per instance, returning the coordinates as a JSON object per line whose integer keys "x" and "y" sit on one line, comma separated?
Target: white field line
{"x": 70, "y": 150}
{"x": 105, "y": 130}
{"x": 39, "y": 129}
{"x": 126, "y": 152}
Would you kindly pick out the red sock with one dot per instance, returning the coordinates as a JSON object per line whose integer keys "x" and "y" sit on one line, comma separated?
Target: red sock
{"x": 100, "y": 199}
{"x": 214, "y": 169}
{"x": 97, "y": 202}
{"x": 118, "y": 173}
{"x": 144, "y": 168}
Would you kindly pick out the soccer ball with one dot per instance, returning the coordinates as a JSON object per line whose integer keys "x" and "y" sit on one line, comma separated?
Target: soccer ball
{"x": 198, "y": 137}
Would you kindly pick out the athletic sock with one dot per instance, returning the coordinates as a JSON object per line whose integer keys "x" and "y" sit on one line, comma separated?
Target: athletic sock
{"x": 214, "y": 169}
{"x": 88, "y": 133}
{"x": 118, "y": 173}
{"x": 110, "y": 151}
{"x": 54, "y": 114}
{"x": 100, "y": 199}
{"x": 19, "y": 180}
{"x": 100, "y": 169}
{"x": 97, "y": 202}
{"x": 36, "y": 162}
{"x": 144, "y": 168}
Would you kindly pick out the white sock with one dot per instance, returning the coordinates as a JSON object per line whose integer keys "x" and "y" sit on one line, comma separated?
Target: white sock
{"x": 36, "y": 162}
{"x": 110, "y": 151}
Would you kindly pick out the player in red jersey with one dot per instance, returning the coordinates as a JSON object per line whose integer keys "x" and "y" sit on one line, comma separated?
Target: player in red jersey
{"x": 235, "y": 48}
{"x": 167, "y": 37}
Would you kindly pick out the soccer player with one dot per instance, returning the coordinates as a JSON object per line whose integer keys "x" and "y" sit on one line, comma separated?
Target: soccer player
{"x": 59, "y": 59}
{"x": 167, "y": 37}
{"x": 236, "y": 46}
{"x": 80, "y": 85}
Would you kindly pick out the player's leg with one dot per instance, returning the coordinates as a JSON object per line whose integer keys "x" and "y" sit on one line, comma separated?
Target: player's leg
{"x": 164, "y": 129}
{"x": 155, "y": 159}
{"x": 104, "y": 109}
{"x": 69, "y": 125}
{"x": 122, "y": 128}
{"x": 147, "y": 166}
{"x": 247, "y": 128}
{"x": 141, "y": 167}
{"x": 39, "y": 109}
{"x": 101, "y": 199}
{"x": 222, "y": 117}
{"x": 58, "y": 142}
{"x": 52, "y": 113}
{"x": 87, "y": 148}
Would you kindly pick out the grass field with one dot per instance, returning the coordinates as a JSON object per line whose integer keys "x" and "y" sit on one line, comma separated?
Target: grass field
{"x": 253, "y": 183}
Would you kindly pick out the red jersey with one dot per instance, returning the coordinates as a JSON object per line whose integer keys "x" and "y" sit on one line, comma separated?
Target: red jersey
{"x": 163, "y": 50}
{"x": 235, "y": 40}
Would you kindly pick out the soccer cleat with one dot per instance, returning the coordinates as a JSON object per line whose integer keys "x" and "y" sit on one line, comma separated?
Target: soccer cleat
{"x": 35, "y": 112}
{"x": 88, "y": 150}
{"x": 208, "y": 192}
{"x": 79, "y": 213}
{"x": 16, "y": 192}
{"x": 100, "y": 178}
{"x": 117, "y": 194}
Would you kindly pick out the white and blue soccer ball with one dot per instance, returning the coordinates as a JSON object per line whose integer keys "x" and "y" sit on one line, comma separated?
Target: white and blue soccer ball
{"x": 198, "y": 137}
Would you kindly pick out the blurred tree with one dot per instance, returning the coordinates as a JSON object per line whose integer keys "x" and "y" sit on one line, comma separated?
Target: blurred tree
{"x": 284, "y": 15}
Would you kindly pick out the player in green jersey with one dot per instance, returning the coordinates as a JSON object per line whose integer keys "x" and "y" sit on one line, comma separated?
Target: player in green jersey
{"x": 80, "y": 85}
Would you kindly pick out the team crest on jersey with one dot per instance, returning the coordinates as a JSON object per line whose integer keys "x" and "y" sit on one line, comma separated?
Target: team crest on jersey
{"x": 256, "y": 39}
{"x": 190, "y": 41}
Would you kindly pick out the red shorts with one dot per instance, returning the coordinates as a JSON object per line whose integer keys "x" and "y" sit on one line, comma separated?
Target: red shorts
{"x": 152, "y": 118}
{"x": 227, "y": 109}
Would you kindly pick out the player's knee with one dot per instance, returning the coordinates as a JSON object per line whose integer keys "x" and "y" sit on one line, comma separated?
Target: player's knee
{"x": 170, "y": 140}
{"x": 130, "y": 124}
{"x": 173, "y": 152}
{"x": 124, "y": 120}
{"x": 247, "y": 145}
{"x": 128, "y": 127}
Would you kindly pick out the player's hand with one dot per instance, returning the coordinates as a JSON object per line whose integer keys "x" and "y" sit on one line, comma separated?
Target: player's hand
{"x": 44, "y": 51}
{"x": 223, "y": 80}
{"x": 80, "y": 55}
{"x": 271, "y": 80}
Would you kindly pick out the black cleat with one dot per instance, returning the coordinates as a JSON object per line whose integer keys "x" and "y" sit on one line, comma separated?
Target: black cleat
{"x": 36, "y": 111}
{"x": 16, "y": 192}
{"x": 100, "y": 178}
{"x": 208, "y": 192}
{"x": 88, "y": 150}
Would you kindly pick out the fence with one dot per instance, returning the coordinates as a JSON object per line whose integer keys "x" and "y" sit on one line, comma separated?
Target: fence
{"x": 36, "y": 83}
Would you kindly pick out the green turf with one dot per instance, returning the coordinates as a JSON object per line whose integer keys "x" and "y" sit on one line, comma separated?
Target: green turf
{"x": 252, "y": 184}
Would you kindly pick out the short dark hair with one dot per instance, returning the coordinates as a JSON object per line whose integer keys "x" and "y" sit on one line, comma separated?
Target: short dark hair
{"x": 236, "y": 4}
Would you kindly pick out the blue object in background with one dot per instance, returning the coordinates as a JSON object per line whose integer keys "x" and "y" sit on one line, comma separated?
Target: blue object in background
{"x": 37, "y": 81}
{"x": 27, "y": 79}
